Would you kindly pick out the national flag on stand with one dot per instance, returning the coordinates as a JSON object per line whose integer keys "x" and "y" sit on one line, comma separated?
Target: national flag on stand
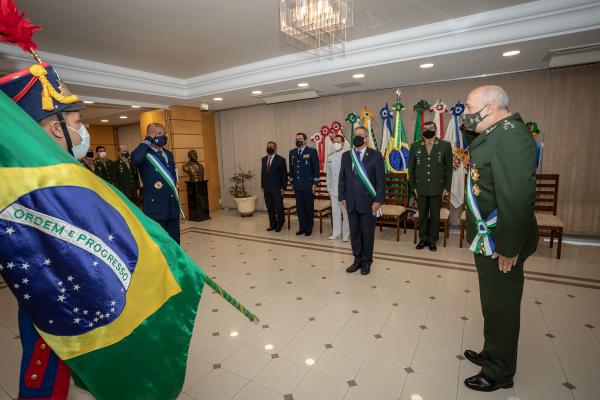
{"x": 109, "y": 291}
{"x": 367, "y": 116}
{"x": 460, "y": 156}
{"x": 420, "y": 107}
{"x": 397, "y": 155}
{"x": 386, "y": 132}
{"x": 438, "y": 110}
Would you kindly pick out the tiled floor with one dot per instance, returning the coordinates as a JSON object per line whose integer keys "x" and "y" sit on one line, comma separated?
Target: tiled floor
{"x": 396, "y": 334}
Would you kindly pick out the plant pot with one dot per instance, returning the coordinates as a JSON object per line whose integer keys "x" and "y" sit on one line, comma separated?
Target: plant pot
{"x": 246, "y": 205}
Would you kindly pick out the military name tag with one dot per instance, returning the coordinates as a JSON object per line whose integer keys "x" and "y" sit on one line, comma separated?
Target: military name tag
{"x": 306, "y": 156}
{"x": 158, "y": 185}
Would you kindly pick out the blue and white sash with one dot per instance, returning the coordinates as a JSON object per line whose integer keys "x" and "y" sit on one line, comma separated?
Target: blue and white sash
{"x": 483, "y": 242}
{"x": 361, "y": 171}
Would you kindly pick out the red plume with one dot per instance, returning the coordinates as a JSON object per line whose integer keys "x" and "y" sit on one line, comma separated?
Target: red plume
{"x": 15, "y": 28}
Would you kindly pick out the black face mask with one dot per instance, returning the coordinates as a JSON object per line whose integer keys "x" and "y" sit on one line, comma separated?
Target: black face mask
{"x": 358, "y": 141}
{"x": 270, "y": 150}
{"x": 429, "y": 134}
{"x": 125, "y": 154}
{"x": 89, "y": 154}
{"x": 299, "y": 143}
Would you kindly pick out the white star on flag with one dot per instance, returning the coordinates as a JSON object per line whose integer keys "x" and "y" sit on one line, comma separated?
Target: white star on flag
{"x": 112, "y": 309}
{"x": 25, "y": 266}
{"x": 47, "y": 262}
{"x": 101, "y": 316}
{"x": 112, "y": 303}
{"x": 70, "y": 278}
{"x": 59, "y": 283}
{"x": 95, "y": 263}
{"x": 110, "y": 237}
{"x": 10, "y": 265}
{"x": 10, "y": 230}
{"x": 61, "y": 298}
{"x": 76, "y": 310}
{"x": 26, "y": 296}
{"x": 85, "y": 312}
{"x": 77, "y": 320}
{"x": 95, "y": 319}
{"x": 106, "y": 315}
{"x": 51, "y": 322}
{"x": 1, "y": 267}
{"x": 16, "y": 285}
{"x": 76, "y": 287}
{"x": 25, "y": 281}
{"x": 62, "y": 290}
{"x": 90, "y": 324}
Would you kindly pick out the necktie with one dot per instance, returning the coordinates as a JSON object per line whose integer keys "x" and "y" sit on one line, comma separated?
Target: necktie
{"x": 268, "y": 163}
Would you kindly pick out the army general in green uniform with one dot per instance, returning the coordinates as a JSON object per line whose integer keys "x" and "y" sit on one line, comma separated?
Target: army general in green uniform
{"x": 501, "y": 227}
{"x": 430, "y": 173}
{"x": 126, "y": 175}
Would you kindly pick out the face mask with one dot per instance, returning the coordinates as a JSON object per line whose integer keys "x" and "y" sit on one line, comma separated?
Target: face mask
{"x": 337, "y": 146}
{"x": 429, "y": 134}
{"x": 89, "y": 154}
{"x": 81, "y": 149}
{"x": 299, "y": 143}
{"x": 358, "y": 141}
{"x": 102, "y": 154}
{"x": 125, "y": 154}
{"x": 471, "y": 121}
{"x": 160, "y": 140}
{"x": 270, "y": 150}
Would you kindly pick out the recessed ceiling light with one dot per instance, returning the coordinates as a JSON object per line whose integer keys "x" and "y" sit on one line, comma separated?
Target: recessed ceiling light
{"x": 302, "y": 84}
{"x": 426, "y": 65}
{"x": 257, "y": 92}
{"x": 135, "y": 106}
{"x": 511, "y": 53}
{"x": 103, "y": 120}
{"x": 123, "y": 117}
{"x": 88, "y": 102}
{"x": 358, "y": 76}
{"x": 217, "y": 98}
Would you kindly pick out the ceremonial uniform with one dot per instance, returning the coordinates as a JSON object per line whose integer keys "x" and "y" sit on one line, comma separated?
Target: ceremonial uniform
{"x": 160, "y": 202}
{"x": 304, "y": 173}
{"x": 104, "y": 170}
{"x": 126, "y": 178}
{"x": 430, "y": 173}
{"x": 42, "y": 375}
{"x": 501, "y": 184}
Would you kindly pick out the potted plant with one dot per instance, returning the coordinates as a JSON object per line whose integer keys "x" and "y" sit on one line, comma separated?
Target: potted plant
{"x": 246, "y": 203}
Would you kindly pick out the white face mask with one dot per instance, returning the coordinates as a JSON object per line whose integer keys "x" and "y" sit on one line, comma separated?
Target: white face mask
{"x": 102, "y": 154}
{"x": 337, "y": 146}
{"x": 81, "y": 149}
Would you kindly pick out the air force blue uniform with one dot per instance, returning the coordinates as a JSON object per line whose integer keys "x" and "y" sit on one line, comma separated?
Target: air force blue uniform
{"x": 304, "y": 173}
{"x": 160, "y": 203}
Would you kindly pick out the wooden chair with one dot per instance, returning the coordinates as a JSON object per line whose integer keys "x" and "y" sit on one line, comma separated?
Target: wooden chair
{"x": 444, "y": 221}
{"x": 289, "y": 203}
{"x": 546, "y": 204}
{"x": 322, "y": 206}
{"x": 393, "y": 208}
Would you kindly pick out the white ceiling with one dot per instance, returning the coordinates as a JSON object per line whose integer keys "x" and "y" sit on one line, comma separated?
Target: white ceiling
{"x": 185, "y": 38}
{"x": 156, "y": 54}
{"x": 95, "y": 113}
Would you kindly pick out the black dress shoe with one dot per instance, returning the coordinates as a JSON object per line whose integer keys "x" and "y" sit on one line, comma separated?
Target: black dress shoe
{"x": 474, "y": 357}
{"x": 271, "y": 228}
{"x": 432, "y": 247}
{"x": 482, "y": 383}
{"x": 300, "y": 232}
{"x": 278, "y": 229}
{"x": 308, "y": 233}
{"x": 353, "y": 268}
{"x": 421, "y": 245}
{"x": 365, "y": 269}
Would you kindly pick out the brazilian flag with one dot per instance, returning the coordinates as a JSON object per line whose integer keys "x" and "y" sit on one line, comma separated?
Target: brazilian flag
{"x": 111, "y": 293}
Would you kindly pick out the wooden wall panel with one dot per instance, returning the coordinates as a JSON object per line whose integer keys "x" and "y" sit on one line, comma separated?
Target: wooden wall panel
{"x": 186, "y": 127}
{"x": 104, "y": 135}
{"x": 187, "y": 141}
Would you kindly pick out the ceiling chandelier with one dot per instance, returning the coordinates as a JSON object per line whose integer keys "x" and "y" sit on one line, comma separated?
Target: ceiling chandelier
{"x": 318, "y": 26}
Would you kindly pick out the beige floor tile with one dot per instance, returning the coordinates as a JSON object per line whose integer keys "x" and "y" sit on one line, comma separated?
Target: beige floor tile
{"x": 289, "y": 323}
{"x": 216, "y": 350}
{"x": 269, "y": 340}
{"x": 252, "y": 391}
{"x": 281, "y": 375}
{"x": 219, "y": 384}
{"x": 360, "y": 342}
{"x": 585, "y": 378}
{"x": 540, "y": 366}
{"x": 318, "y": 385}
{"x": 362, "y": 393}
{"x": 442, "y": 342}
{"x": 531, "y": 388}
{"x": 423, "y": 387}
{"x": 339, "y": 362}
{"x": 196, "y": 370}
{"x": 246, "y": 362}
{"x": 320, "y": 332}
{"x": 394, "y": 350}
{"x": 301, "y": 351}
{"x": 380, "y": 377}
{"x": 429, "y": 361}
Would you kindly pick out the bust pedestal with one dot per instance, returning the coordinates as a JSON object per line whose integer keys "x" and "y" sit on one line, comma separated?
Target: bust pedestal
{"x": 197, "y": 192}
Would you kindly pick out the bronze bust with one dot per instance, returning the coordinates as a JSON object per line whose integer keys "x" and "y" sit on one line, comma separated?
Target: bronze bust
{"x": 193, "y": 168}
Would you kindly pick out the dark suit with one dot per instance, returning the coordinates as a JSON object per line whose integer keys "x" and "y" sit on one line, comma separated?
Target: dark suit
{"x": 304, "y": 173}
{"x": 359, "y": 202}
{"x": 159, "y": 202}
{"x": 272, "y": 180}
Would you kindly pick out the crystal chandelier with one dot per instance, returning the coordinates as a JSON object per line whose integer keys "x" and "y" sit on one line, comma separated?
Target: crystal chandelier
{"x": 318, "y": 26}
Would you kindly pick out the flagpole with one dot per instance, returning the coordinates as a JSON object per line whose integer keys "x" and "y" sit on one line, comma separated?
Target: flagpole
{"x": 231, "y": 300}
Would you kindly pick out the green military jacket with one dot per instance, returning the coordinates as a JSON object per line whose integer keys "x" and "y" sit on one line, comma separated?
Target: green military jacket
{"x": 430, "y": 173}
{"x": 104, "y": 170}
{"x": 126, "y": 178}
{"x": 503, "y": 168}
